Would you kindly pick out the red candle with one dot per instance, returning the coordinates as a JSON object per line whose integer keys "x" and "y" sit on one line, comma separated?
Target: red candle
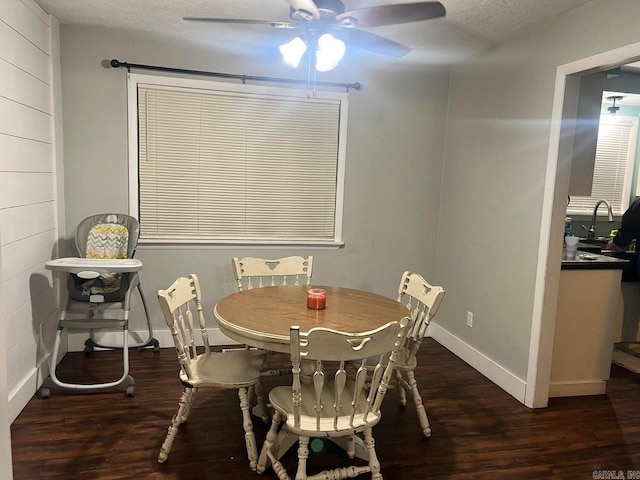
{"x": 316, "y": 298}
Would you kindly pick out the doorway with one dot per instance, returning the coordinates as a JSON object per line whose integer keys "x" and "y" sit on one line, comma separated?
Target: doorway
{"x": 553, "y": 214}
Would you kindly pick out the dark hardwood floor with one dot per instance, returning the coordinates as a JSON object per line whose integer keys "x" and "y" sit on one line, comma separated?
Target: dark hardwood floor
{"x": 479, "y": 431}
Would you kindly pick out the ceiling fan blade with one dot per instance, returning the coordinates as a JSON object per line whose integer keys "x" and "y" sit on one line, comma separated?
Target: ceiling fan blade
{"x": 380, "y": 15}
{"x": 241, "y": 21}
{"x": 306, "y": 5}
{"x": 362, "y": 39}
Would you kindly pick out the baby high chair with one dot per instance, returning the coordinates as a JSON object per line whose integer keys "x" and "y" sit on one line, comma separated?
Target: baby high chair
{"x": 100, "y": 284}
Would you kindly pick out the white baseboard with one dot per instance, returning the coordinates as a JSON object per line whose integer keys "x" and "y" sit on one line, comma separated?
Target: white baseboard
{"x": 20, "y": 396}
{"x": 575, "y": 389}
{"x": 495, "y": 372}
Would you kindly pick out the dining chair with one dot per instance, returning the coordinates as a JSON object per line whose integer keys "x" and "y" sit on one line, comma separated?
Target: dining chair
{"x": 199, "y": 366}
{"x": 252, "y": 272}
{"x": 423, "y": 300}
{"x": 331, "y": 398}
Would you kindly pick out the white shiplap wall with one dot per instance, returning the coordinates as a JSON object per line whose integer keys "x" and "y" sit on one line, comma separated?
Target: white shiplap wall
{"x": 27, "y": 197}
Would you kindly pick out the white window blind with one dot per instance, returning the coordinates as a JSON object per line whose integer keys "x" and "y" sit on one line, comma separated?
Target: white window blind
{"x": 613, "y": 170}
{"x": 232, "y": 165}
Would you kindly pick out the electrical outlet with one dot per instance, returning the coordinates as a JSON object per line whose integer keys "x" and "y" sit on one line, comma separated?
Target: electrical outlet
{"x": 469, "y": 319}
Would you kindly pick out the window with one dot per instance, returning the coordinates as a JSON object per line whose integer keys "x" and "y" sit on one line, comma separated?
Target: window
{"x": 221, "y": 163}
{"x": 613, "y": 170}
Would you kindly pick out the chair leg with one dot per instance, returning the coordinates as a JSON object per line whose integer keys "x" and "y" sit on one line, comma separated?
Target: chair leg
{"x": 422, "y": 413}
{"x": 278, "y": 468}
{"x": 346, "y": 472}
{"x": 185, "y": 399}
{"x": 303, "y": 454}
{"x": 268, "y": 443}
{"x": 262, "y": 408}
{"x": 336, "y": 473}
{"x": 400, "y": 388}
{"x": 249, "y": 436}
{"x": 351, "y": 447}
{"x": 374, "y": 463}
{"x": 189, "y": 404}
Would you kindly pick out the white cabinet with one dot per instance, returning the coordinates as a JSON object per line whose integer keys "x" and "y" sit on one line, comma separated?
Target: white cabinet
{"x": 586, "y": 316}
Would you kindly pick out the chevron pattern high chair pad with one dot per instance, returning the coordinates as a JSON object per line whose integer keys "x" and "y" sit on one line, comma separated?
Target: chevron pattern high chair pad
{"x": 106, "y": 240}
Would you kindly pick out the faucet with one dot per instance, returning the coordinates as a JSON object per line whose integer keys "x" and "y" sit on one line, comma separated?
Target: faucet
{"x": 591, "y": 232}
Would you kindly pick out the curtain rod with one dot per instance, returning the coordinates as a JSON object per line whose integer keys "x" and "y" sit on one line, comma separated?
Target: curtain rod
{"x": 117, "y": 64}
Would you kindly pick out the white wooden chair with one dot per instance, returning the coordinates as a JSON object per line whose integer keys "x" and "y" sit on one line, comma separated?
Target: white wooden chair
{"x": 423, "y": 301}
{"x": 199, "y": 366}
{"x": 337, "y": 403}
{"x": 251, "y": 272}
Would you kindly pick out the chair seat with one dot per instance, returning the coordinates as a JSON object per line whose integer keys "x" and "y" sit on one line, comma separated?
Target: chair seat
{"x": 233, "y": 369}
{"x": 405, "y": 362}
{"x": 81, "y": 294}
{"x": 282, "y": 400}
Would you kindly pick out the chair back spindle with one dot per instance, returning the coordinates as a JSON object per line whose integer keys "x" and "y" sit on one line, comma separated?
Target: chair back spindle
{"x": 179, "y": 304}
{"x": 251, "y": 272}
{"x": 423, "y": 301}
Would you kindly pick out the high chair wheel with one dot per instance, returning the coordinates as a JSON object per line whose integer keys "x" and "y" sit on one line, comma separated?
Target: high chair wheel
{"x": 130, "y": 391}
{"x": 45, "y": 393}
{"x": 88, "y": 346}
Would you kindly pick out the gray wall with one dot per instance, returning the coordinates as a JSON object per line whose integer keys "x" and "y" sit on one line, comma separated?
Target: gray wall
{"x": 496, "y": 161}
{"x": 393, "y": 170}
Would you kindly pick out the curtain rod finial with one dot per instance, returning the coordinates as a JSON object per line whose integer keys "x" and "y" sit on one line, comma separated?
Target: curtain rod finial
{"x": 115, "y": 63}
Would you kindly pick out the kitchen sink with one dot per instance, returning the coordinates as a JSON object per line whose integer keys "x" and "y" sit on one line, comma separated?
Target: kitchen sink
{"x": 592, "y": 245}
{"x": 601, "y": 241}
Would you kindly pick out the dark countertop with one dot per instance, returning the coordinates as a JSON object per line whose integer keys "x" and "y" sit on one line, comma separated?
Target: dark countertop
{"x": 594, "y": 261}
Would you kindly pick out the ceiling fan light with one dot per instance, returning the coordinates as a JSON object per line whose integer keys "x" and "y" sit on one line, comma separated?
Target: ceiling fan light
{"x": 293, "y": 51}
{"x": 330, "y": 52}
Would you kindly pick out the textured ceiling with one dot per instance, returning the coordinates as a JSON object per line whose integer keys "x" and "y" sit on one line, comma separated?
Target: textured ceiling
{"x": 469, "y": 26}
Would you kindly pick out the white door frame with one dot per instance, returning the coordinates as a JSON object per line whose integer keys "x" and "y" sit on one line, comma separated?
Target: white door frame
{"x": 550, "y": 245}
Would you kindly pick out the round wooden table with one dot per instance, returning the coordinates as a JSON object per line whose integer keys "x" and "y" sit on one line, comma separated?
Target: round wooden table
{"x": 261, "y": 317}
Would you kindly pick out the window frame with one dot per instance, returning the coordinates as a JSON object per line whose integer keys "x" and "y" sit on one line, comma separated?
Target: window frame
{"x": 134, "y": 79}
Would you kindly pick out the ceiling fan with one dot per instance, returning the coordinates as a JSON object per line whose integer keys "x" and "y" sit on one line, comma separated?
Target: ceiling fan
{"x": 314, "y": 19}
